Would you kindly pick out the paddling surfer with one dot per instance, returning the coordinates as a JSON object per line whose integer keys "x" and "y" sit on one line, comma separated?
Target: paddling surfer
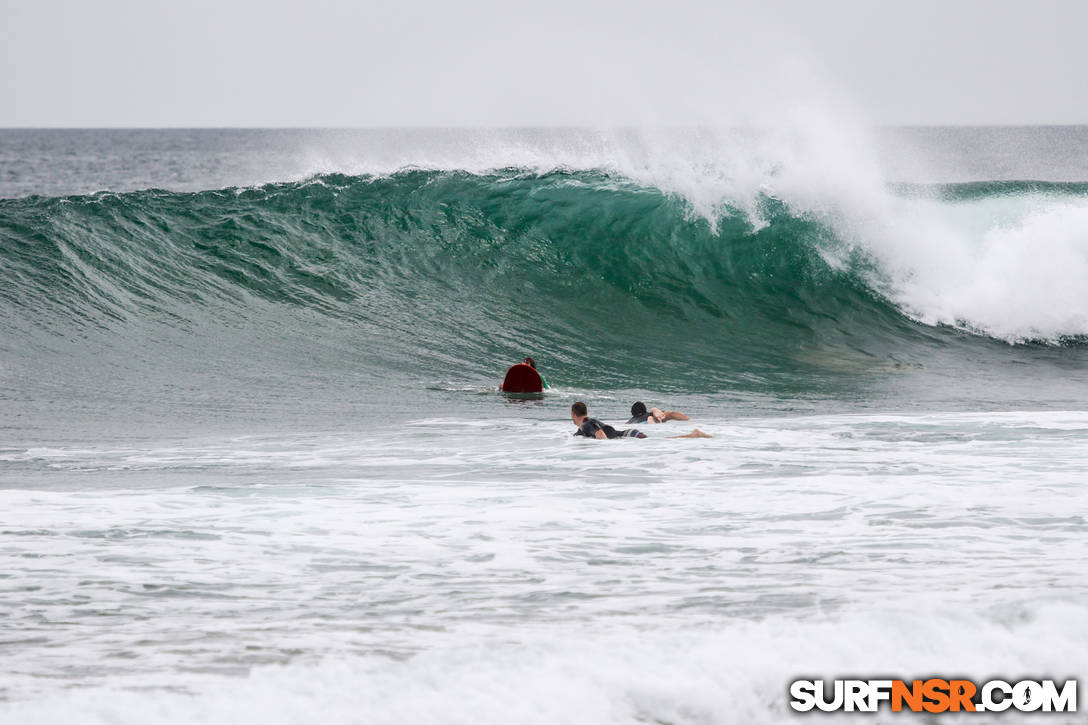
{"x": 639, "y": 414}
{"x": 593, "y": 428}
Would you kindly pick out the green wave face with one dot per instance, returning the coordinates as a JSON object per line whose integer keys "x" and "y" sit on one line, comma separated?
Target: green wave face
{"x": 450, "y": 276}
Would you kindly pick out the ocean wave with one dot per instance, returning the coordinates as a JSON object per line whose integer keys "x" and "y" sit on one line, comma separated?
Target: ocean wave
{"x": 462, "y": 266}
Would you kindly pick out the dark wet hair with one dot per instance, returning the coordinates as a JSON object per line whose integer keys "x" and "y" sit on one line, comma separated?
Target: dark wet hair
{"x": 579, "y": 408}
{"x": 638, "y": 409}
{"x": 530, "y": 362}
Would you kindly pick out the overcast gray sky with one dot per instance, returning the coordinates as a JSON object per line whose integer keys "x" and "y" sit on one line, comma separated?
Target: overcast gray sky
{"x": 556, "y": 62}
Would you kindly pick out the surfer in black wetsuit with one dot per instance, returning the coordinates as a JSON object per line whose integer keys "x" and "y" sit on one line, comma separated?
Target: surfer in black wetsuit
{"x": 639, "y": 414}
{"x": 593, "y": 428}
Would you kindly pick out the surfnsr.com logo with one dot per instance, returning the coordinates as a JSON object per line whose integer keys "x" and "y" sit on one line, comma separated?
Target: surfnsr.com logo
{"x": 933, "y": 695}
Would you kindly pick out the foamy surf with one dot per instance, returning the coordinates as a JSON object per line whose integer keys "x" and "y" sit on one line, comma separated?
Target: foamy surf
{"x": 608, "y": 674}
{"x": 510, "y": 568}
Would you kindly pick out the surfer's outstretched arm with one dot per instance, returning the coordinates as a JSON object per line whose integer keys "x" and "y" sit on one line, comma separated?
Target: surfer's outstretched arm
{"x": 660, "y": 416}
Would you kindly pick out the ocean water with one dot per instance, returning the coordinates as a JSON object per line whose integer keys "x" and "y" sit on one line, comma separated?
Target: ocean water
{"x": 254, "y": 466}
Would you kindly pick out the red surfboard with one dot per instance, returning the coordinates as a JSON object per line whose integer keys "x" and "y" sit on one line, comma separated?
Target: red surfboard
{"x": 521, "y": 378}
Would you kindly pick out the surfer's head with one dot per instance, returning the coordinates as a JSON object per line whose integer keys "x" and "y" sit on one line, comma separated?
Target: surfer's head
{"x": 638, "y": 409}
{"x": 530, "y": 362}
{"x": 578, "y": 411}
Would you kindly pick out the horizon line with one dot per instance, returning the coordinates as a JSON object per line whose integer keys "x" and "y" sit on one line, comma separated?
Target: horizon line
{"x": 551, "y": 127}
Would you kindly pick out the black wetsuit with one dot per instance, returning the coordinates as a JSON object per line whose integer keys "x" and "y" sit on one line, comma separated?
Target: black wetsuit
{"x": 590, "y": 426}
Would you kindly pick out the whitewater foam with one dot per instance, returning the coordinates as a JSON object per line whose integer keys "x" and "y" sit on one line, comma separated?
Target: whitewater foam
{"x": 1017, "y": 279}
{"x": 600, "y": 676}
{"x": 501, "y": 571}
